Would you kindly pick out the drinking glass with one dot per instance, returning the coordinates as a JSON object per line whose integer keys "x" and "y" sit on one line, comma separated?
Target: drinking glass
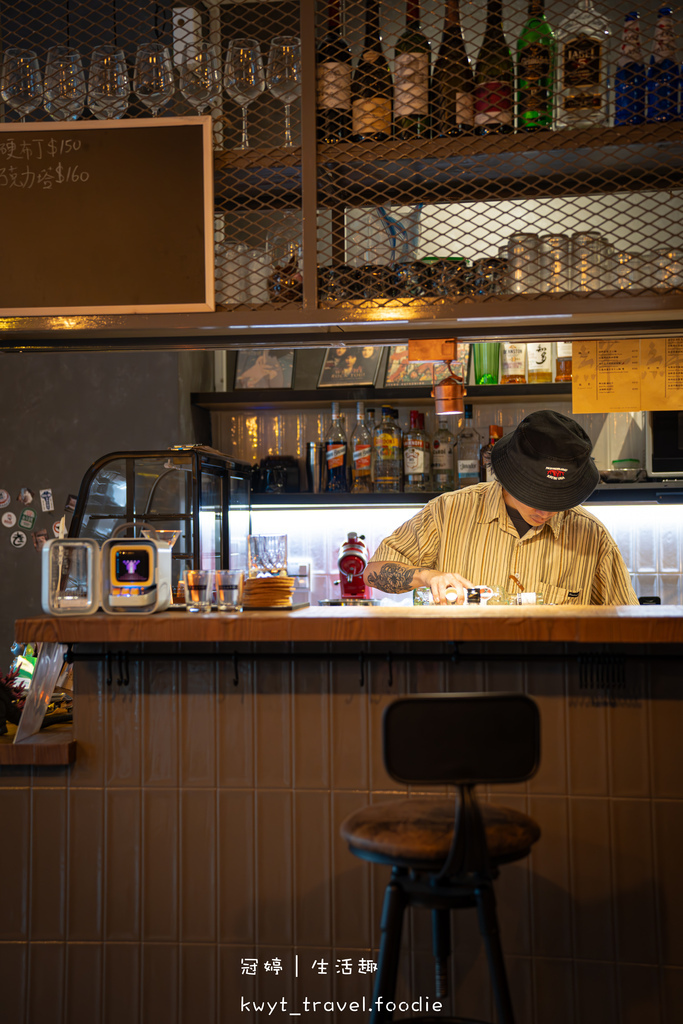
{"x": 200, "y": 75}
{"x": 283, "y": 75}
{"x": 153, "y": 76}
{"x": 589, "y": 262}
{"x": 229, "y": 584}
{"x": 524, "y": 263}
{"x": 198, "y": 589}
{"x": 22, "y": 85}
{"x": 556, "y": 274}
{"x": 108, "y": 82}
{"x": 64, "y": 84}
{"x": 244, "y": 78}
{"x": 267, "y": 554}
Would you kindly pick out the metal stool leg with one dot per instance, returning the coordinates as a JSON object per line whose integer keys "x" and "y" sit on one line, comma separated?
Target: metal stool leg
{"x": 441, "y": 944}
{"x": 389, "y": 950}
{"x": 488, "y": 926}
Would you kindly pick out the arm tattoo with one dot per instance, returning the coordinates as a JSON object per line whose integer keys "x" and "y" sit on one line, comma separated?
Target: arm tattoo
{"x": 393, "y": 578}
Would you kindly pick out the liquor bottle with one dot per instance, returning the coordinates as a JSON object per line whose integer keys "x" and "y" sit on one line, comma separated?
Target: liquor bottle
{"x": 629, "y": 80}
{"x": 415, "y": 456}
{"x": 536, "y": 56}
{"x": 469, "y": 447}
{"x": 662, "y": 72}
{"x": 411, "y": 78}
{"x": 371, "y": 86}
{"x": 371, "y": 424}
{"x": 388, "y": 457}
{"x": 361, "y": 454}
{"x": 443, "y": 444}
{"x": 428, "y": 449}
{"x": 563, "y": 362}
{"x": 334, "y": 81}
{"x": 512, "y": 361}
{"x": 336, "y": 453}
{"x": 494, "y": 77}
{"x": 583, "y": 39}
{"x": 486, "y": 474}
{"x": 452, "y": 80}
{"x": 540, "y": 366}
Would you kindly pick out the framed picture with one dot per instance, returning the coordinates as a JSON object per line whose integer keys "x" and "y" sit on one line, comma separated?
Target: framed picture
{"x": 352, "y": 365}
{"x": 264, "y": 368}
{"x": 401, "y": 373}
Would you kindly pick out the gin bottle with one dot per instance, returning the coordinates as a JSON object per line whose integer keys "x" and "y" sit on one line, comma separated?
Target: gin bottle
{"x": 629, "y": 80}
{"x": 443, "y": 444}
{"x": 582, "y": 92}
{"x": 469, "y": 447}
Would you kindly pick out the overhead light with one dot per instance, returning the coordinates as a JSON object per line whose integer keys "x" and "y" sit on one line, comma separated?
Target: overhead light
{"x": 498, "y": 319}
{"x": 449, "y": 396}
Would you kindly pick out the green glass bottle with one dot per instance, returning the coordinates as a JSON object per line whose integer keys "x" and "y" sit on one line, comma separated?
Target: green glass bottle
{"x": 411, "y": 78}
{"x": 536, "y": 55}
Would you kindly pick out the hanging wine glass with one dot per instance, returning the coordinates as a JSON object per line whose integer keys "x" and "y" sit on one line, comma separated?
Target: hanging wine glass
{"x": 153, "y": 76}
{"x": 200, "y": 75}
{"x": 21, "y": 84}
{"x": 244, "y": 78}
{"x": 108, "y": 82}
{"x": 283, "y": 75}
{"x": 64, "y": 84}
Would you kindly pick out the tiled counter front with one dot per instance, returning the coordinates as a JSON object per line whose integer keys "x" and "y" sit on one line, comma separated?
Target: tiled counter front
{"x": 200, "y": 827}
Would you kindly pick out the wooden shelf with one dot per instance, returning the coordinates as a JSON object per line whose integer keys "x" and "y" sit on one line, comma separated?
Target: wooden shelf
{"x": 52, "y": 746}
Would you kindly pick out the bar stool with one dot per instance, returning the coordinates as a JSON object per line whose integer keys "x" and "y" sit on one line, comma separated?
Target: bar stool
{"x": 445, "y": 852}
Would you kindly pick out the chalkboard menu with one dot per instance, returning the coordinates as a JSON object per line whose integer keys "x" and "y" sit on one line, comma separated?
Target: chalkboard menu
{"x": 106, "y": 217}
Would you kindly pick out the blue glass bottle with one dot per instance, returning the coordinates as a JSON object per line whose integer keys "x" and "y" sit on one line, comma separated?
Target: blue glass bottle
{"x": 629, "y": 80}
{"x": 663, "y": 73}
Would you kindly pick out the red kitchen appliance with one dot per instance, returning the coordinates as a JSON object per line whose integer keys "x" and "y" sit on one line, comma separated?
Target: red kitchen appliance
{"x": 353, "y": 557}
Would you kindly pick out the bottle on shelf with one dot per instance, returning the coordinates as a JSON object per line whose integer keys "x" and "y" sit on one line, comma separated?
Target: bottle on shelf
{"x": 428, "y": 448}
{"x": 361, "y": 454}
{"x": 629, "y": 78}
{"x": 411, "y": 78}
{"x": 388, "y": 454}
{"x": 415, "y": 456}
{"x": 494, "y": 77}
{"x": 536, "y": 58}
{"x": 336, "y": 454}
{"x": 452, "y": 89}
{"x": 563, "y": 362}
{"x": 334, "y": 81}
{"x": 540, "y": 363}
{"x": 469, "y": 447}
{"x": 582, "y": 91}
{"x": 486, "y": 474}
{"x": 443, "y": 457}
{"x": 371, "y": 424}
{"x": 661, "y": 84}
{"x": 513, "y": 363}
{"x": 371, "y": 84}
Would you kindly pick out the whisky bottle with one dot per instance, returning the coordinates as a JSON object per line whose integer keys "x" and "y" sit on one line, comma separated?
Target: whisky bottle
{"x": 563, "y": 362}
{"x": 387, "y": 454}
{"x": 336, "y": 453}
{"x": 583, "y": 39}
{"x": 513, "y": 360}
{"x": 486, "y": 474}
{"x": 540, "y": 367}
{"x": 361, "y": 453}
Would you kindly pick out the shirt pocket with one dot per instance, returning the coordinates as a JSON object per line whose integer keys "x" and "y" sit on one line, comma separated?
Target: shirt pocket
{"x": 558, "y": 595}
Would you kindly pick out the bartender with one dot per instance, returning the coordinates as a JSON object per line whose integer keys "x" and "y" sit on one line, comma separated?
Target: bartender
{"x": 522, "y": 531}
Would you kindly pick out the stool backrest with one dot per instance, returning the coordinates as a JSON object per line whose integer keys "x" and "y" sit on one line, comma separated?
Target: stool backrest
{"x": 462, "y": 738}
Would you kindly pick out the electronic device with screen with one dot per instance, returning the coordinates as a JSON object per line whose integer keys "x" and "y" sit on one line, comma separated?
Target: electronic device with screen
{"x": 136, "y": 575}
{"x": 664, "y": 444}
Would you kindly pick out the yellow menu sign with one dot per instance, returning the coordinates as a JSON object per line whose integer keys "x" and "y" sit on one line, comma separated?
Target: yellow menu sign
{"x": 627, "y": 375}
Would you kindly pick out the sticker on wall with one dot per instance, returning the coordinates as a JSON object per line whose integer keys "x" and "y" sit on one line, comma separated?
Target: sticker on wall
{"x": 39, "y": 539}
{"x": 4, "y": 498}
{"x": 17, "y": 539}
{"x": 57, "y": 527}
{"x": 25, "y": 496}
{"x": 47, "y": 502}
{"x": 9, "y": 519}
{"x": 27, "y": 519}
{"x": 71, "y": 502}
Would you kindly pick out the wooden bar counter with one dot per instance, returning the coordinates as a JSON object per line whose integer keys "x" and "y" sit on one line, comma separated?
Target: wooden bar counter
{"x": 194, "y": 844}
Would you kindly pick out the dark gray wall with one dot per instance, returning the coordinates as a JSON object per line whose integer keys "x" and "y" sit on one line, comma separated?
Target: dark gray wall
{"x": 60, "y": 412}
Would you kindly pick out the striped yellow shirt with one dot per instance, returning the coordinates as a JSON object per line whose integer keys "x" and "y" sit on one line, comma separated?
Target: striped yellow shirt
{"x": 570, "y": 560}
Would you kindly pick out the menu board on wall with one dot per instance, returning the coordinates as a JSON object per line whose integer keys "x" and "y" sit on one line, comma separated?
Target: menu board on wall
{"x": 627, "y": 375}
{"x": 106, "y": 217}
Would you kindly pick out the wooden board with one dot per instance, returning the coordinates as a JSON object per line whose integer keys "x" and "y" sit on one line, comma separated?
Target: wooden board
{"x": 53, "y": 746}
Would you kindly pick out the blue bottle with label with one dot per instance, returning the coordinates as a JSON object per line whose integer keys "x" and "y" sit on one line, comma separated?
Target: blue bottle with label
{"x": 663, "y": 72}
{"x": 629, "y": 80}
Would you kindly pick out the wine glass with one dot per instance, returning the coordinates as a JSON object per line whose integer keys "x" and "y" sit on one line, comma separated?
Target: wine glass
{"x": 200, "y": 75}
{"x": 108, "y": 82}
{"x": 64, "y": 84}
{"x": 244, "y": 77}
{"x": 21, "y": 86}
{"x": 153, "y": 76}
{"x": 283, "y": 75}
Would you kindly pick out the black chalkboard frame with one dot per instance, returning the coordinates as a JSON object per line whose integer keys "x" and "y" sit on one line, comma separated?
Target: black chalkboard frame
{"x": 100, "y": 253}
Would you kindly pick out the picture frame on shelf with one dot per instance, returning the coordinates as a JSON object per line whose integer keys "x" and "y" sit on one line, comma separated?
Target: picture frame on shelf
{"x": 264, "y": 368}
{"x": 402, "y": 373}
{"x": 354, "y": 365}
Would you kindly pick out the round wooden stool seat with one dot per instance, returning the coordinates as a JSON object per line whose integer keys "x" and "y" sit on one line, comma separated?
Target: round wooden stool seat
{"x": 417, "y": 832}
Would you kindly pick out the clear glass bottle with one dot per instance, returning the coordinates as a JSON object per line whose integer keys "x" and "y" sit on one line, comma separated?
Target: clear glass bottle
{"x": 629, "y": 78}
{"x": 452, "y": 80}
{"x": 336, "y": 457}
{"x": 582, "y": 89}
{"x": 388, "y": 456}
{"x": 494, "y": 78}
{"x": 443, "y": 458}
{"x": 661, "y": 85}
{"x": 486, "y": 474}
{"x": 540, "y": 363}
{"x": 469, "y": 448}
{"x": 361, "y": 454}
{"x": 536, "y": 58}
{"x": 415, "y": 457}
{"x": 513, "y": 363}
{"x": 563, "y": 362}
{"x": 411, "y": 78}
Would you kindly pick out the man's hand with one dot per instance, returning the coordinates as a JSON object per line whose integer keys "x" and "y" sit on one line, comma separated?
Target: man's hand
{"x": 440, "y": 582}
{"x": 397, "y": 578}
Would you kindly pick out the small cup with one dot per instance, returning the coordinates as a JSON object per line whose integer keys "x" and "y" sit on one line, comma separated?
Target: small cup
{"x": 198, "y": 589}
{"x": 229, "y": 585}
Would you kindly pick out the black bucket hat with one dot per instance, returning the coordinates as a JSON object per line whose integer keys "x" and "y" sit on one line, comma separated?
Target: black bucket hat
{"x": 546, "y": 462}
